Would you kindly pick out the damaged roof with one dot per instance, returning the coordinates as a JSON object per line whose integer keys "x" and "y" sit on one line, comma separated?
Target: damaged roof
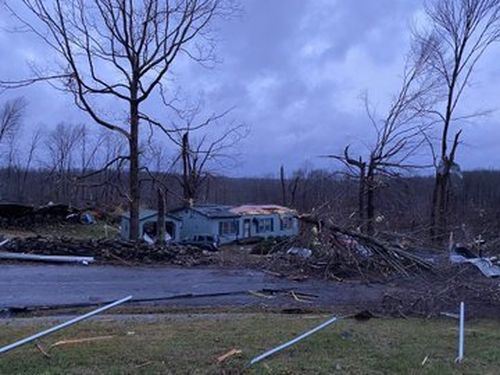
{"x": 262, "y": 209}
{"x": 225, "y": 211}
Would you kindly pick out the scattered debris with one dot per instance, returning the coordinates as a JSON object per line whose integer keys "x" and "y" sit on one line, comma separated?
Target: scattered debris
{"x": 111, "y": 250}
{"x": 46, "y": 258}
{"x": 450, "y": 315}
{"x": 425, "y": 360}
{"x": 80, "y": 341}
{"x": 300, "y": 252}
{"x": 261, "y": 292}
{"x": 229, "y": 354}
{"x": 144, "y": 364}
{"x": 292, "y": 342}
{"x": 42, "y": 350}
{"x": 485, "y": 265}
{"x": 299, "y": 297}
{"x": 58, "y": 327}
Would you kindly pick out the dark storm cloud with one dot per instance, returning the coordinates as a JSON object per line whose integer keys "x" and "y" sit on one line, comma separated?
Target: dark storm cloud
{"x": 294, "y": 70}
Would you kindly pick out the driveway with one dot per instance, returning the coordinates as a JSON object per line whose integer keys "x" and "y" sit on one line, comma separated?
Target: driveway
{"x": 35, "y": 285}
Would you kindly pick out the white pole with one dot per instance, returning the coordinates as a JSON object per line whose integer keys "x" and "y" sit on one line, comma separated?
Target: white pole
{"x": 291, "y": 342}
{"x": 461, "y": 334}
{"x": 63, "y": 325}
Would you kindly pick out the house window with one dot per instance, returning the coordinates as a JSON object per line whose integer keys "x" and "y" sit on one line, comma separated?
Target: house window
{"x": 228, "y": 227}
{"x": 265, "y": 225}
{"x": 286, "y": 223}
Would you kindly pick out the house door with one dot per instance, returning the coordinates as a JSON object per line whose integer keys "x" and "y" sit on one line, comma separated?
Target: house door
{"x": 246, "y": 228}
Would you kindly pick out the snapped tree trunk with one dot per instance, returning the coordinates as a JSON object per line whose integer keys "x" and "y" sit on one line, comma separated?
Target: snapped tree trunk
{"x": 370, "y": 204}
{"x": 439, "y": 212}
{"x": 283, "y": 185}
{"x": 160, "y": 232}
{"x": 361, "y": 197}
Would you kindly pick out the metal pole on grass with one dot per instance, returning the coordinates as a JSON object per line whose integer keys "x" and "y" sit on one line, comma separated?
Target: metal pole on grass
{"x": 26, "y": 340}
{"x": 291, "y": 342}
{"x": 461, "y": 334}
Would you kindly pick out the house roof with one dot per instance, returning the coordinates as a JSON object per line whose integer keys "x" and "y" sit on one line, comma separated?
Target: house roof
{"x": 146, "y": 213}
{"x": 211, "y": 210}
{"x": 224, "y": 211}
{"x": 262, "y": 209}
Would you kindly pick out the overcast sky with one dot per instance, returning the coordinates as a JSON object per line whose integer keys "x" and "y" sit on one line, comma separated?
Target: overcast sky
{"x": 294, "y": 70}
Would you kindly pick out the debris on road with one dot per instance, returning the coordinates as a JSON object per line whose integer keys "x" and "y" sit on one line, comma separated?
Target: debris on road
{"x": 58, "y": 327}
{"x": 46, "y": 258}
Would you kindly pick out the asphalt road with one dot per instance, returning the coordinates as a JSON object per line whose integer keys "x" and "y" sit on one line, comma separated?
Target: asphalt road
{"x": 35, "y": 285}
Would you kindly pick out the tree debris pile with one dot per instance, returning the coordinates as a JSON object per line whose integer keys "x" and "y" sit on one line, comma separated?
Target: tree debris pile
{"x": 441, "y": 294}
{"x": 337, "y": 253}
{"x": 116, "y": 251}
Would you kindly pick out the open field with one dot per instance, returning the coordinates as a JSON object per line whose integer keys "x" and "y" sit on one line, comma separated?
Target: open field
{"x": 180, "y": 344}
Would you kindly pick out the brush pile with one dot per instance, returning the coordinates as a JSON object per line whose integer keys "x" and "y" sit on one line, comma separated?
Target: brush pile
{"x": 338, "y": 253}
{"x": 116, "y": 251}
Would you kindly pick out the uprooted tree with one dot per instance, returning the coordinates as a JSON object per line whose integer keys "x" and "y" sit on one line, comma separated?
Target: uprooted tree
{"x": 120, "y": 51}
{"x": 459, "y": 34}
{"x": 398, "y": 136}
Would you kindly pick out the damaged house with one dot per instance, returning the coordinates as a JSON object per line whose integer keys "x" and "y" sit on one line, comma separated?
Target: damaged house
{"x": 148, "y": 220}
{"x": 230, "y": 223}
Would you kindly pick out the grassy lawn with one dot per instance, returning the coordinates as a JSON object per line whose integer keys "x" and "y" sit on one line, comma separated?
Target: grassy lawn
{"x": 190, "y": 345}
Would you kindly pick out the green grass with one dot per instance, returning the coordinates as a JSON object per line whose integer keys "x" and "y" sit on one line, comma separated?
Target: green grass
{"x": 186, "y": 345}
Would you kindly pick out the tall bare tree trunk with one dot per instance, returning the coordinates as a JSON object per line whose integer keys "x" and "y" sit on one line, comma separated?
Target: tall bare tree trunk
{"x": 160, "y": 230}
{"x": 283, "y": 185}
{"x": 134, "y": 184}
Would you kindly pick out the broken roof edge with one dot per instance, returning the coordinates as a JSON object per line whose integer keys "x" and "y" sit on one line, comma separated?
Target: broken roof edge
{"x": 215, "y": 211}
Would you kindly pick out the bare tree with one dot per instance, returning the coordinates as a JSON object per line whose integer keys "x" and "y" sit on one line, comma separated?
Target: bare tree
{"x": 61, "y": 144}
{"x": 398, "y": 137}
{"x": 121, "y": 50}
{"x": 288, "y": 188}
{"x": 460, "y": 32}
{"x": 200, "y": 156}
{"x": 11, "y": 116}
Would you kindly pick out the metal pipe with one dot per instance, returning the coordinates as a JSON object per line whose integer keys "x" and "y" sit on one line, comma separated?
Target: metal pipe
{"x": 63, "y": 325}
{"x": 46, "y": 258}
{"x": 461, "y": 334}
{"x": 291, "y": 342}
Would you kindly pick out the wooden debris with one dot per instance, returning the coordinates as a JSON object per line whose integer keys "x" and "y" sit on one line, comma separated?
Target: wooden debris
{"x": 296, "y": 298}
{"x": 259, "y": 294}
{"x": 80, "y": 341}
{"x": 229, "y": 354}
{"x": 42, "y": 350}
{"x": 144, "y": 364}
